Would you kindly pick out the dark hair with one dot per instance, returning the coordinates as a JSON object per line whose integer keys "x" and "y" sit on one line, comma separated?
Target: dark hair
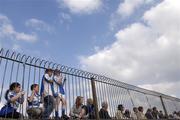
{"x": 154, "y": 108}
{"x": 140, "y": 108}
{"x": 48, "y": 70}
{"x": 134, "y": 108}
{"x": 78, "y": 101}
{"x": 11, "y": 87}
{"x": 56, "y": 71}
{"x": 33, "y": 86}
{"x": 120, "y": 107}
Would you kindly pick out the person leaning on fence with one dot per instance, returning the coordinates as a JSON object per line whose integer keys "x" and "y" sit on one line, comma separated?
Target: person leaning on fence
{"x": 161, "y": 115}
{"x": 78, "y": 111}
{"x": 90, "y": 109}
{"x": 14, "y": 96}
{"x": 34, "y": 110}
{"x": 47, "y": 93}
{"x": 134, "y": 113}
{"x": 149, "y": 114}
{"x": 140, "y": 114}
{"x": 119, "y": 113}
{"x": 127, "y": 114}
{"x": 59, "y": 93}
{"x": 103, "y": 113}
{"x": 155, "y": 113}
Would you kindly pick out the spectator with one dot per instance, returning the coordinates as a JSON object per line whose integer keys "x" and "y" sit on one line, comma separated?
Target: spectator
{"x": 140, "y": 114}
{"x": 134, "y": 113}
{"x": 103, "y": 113}
{"x": 149, "y": 114}
{"x": 127, "y": 114}
{"x": 155, "y": 113}
{"x": 90, "y": 109}
{"x": 59, "y": 93}
{"x": 175, "y": 115}
{"x": 47, "y": 93}
{"x": 34, "y": 110}
{"x": 119, "y": 114}
{"x": 14, "y": 96}
{"x": 161, "y": 116}
{"x": 78, "y": 111}
{"x": 170, "y": 116}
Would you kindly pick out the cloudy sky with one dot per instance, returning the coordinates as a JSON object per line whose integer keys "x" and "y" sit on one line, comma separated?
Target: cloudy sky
{"x": 134, "y": 41}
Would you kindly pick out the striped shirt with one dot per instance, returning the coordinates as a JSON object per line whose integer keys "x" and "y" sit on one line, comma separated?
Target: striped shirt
{"x": 15, "y": 104}
{"x": 35, "y": 103}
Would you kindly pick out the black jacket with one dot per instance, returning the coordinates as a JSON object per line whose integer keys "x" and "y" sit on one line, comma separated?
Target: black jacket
{"x": 103, "y": 114}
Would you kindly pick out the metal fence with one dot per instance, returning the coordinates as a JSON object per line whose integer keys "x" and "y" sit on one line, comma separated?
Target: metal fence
{"x": 28, "y": 70}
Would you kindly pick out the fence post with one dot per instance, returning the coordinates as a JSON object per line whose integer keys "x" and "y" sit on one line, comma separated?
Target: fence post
{"x": 165, "y": 111}
{"x": 95, "y": 98}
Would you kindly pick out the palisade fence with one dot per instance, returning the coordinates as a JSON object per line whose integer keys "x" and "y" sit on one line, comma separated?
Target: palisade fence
{"x": 28, "y": 70}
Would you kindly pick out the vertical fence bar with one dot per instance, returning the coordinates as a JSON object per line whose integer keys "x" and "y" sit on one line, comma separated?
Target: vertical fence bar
{"x": 95, "y": 97}
{"x": 131, "y": 98}
{"x": 162, "y": 102}
{"x": 2, "y": 86}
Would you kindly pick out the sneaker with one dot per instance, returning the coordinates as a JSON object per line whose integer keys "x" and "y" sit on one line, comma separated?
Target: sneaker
{"x": 64, "y": 117}
{"x": 57, "y": 118}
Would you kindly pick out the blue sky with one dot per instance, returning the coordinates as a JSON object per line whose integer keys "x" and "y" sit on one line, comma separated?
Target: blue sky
{"x": 71, "y": 36}
{"x": 68, "y": 39}
{"x": 134, "y": 41}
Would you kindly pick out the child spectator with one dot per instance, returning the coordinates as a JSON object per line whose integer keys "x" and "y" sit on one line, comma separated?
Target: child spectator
{"x": 14, "y": 96}
{"x": 59, "y": 93}
{"x": 34, "y": 111}
{"x": 47, "y": 92}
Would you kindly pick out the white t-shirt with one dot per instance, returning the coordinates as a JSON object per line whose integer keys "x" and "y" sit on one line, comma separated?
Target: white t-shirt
{"x": 56, "y": 86}
{"x": 47, "y": 86}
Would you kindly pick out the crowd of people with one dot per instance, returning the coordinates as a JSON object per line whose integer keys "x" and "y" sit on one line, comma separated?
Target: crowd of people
{"x": 137, "y": 113}
{"x": 51, "y": 94}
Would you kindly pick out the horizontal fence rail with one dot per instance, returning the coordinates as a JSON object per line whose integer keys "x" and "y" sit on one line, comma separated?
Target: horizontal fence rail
{"x": 27, "y": 70}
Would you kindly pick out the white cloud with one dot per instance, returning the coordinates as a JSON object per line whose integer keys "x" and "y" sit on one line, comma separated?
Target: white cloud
{"x": 38, "y": 25}
{"x": 128, "y": 7}
{"x": 165, "y": 87}
{"x": 144, "y": 54}
{"x": 7, "y": 31}
{"x": 81, "y": 6}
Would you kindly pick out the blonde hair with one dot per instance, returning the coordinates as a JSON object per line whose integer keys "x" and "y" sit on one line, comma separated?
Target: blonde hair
{"x": 90, "y": 101}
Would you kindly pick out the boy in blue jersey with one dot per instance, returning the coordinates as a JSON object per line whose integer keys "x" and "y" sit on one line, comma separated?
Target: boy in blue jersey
{"x": 59, "y": 93}
{"x": 34, "y": 110}
{"x": 47, "y": 93}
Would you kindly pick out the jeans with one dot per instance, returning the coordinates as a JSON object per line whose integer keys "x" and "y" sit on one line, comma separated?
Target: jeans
{"x": 49, "y": 105}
